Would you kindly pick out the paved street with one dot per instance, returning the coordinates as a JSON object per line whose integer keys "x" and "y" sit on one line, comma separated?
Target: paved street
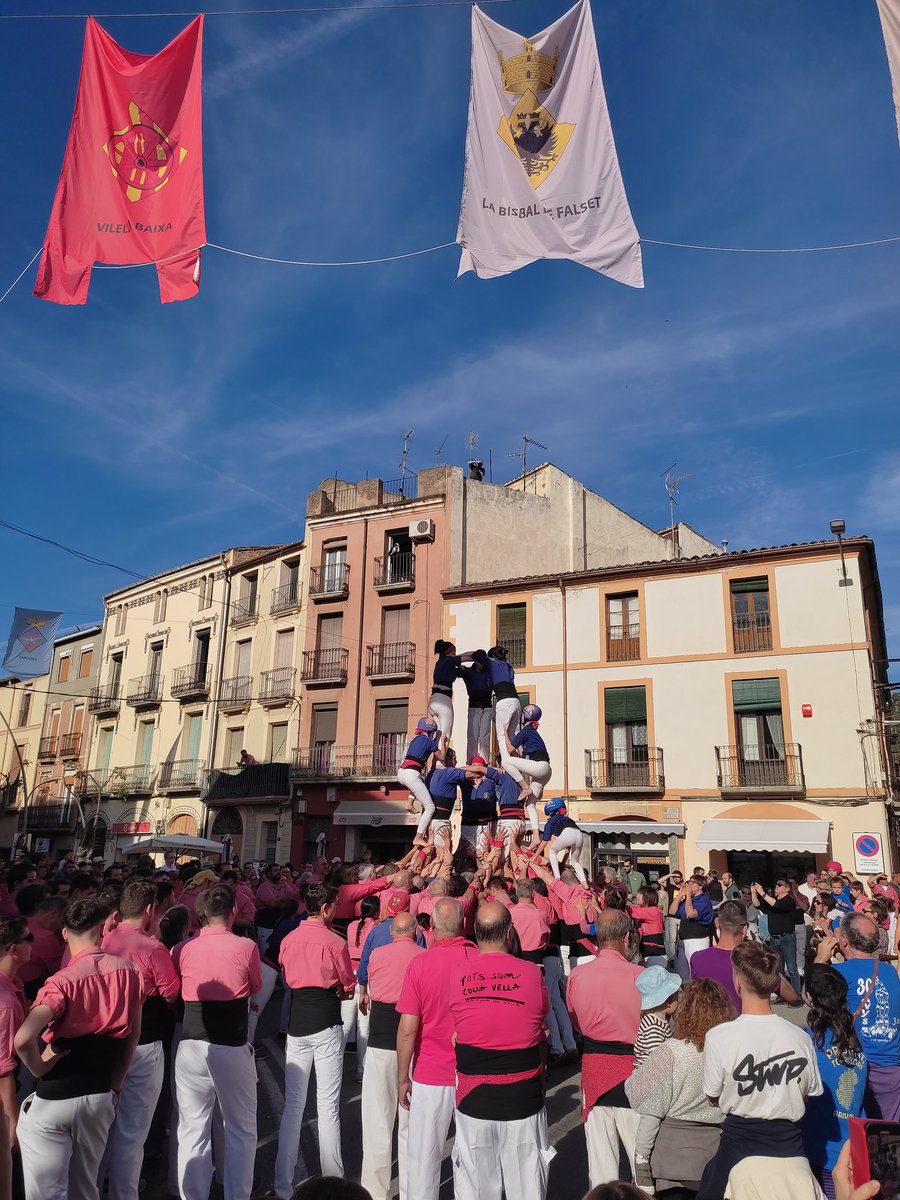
{"x": 568, "y": 1173}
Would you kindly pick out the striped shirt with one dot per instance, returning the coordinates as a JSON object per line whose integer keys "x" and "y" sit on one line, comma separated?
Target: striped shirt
{"x": 652, "y": 1032}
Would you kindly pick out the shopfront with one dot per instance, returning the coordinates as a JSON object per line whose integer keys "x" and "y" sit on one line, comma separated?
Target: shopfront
{"x": 651, "y": 845}
{"x": 758, "y": 851}
{"x": 385, "y": 827}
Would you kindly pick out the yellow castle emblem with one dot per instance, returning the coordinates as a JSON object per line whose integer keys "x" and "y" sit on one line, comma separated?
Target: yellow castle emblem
{"x": 532, "y": 133}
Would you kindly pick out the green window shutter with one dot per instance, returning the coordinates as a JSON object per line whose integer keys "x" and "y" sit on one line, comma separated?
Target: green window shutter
{"x": 756, "y": 695}
{"x": 511, "y": 621}
{"x": 739, "y": 586}
{"x": 625, "y": 704}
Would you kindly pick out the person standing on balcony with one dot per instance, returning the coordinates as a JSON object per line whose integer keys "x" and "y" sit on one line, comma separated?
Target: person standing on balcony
{"x": 477, "y": 679}
{"x": 427, "y": 743}
{"x": 528, "y": 751}
{"x": 447, "y": 670}
{"x": 246, "y": 759}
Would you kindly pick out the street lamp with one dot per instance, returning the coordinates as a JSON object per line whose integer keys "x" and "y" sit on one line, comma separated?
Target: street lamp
{"x": 838, "y": 528}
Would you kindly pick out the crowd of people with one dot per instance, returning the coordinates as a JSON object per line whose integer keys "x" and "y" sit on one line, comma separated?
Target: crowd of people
{"x": 461, "y": 977}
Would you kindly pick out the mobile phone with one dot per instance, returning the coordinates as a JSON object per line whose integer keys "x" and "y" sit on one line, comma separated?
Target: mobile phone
{"x": 875, "y": 1154}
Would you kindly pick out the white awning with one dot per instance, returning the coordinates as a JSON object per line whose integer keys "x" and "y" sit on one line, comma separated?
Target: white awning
{"x": 805, "y": 837}
{"x": 643, "y": 828}
{"x": 173, "y": 841}
{"x": 374, "y": 813}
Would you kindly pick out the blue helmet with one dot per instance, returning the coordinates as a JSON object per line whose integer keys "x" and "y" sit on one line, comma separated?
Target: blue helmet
{"x": 426, "y": 725}
{"x": 554, "y": 806}
{"x": 532, "y": 712}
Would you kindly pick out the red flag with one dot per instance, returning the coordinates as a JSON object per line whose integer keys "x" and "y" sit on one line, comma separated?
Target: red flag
{"x": 131, "y": 185}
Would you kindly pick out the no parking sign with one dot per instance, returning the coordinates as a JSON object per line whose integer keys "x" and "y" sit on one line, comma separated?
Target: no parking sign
{"x": 868, "y": 853}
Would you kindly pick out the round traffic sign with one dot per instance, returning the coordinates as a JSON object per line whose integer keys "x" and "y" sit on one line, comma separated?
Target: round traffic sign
{"x": 868, "y": 846}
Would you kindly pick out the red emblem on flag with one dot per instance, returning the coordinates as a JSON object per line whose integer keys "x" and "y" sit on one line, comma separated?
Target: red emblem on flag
{"x": 31, "y": 639}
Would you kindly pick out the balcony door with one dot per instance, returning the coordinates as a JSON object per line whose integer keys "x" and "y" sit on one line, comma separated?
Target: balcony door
{"x": 627, "y": 752}
{"x": 391, "y": 726}
{"x": 242, "y": 659}
{"x": 760, "y": 729}
{"x": 154, "y": 663}
{"x": 334, "y": 562}
{"x": 284, "y": 649}
{"x": 324, "y": 736}
{"x": 115, "y": 675}
{"x": 193, "y": 728}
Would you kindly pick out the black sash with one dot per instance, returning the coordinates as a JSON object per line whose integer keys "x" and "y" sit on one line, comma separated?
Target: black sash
{"x": 442, "y": 689}
{"x": 155, "y": 1020}
{"x": 384, "y": 1021}
{"x": 535, "y": 956}
{"x": 503, "y": 1101}
{"x": 87, "y": 1069}
{"x": 312, "y": 1010}
{"x": 220, "y": 1022}
{"x": 505, "y": 690}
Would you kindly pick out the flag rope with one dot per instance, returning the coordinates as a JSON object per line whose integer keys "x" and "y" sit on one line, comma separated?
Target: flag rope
{"x": 21, "y": 273}
{"x": 250, "y": 12}
{"x": 771, "y": 249}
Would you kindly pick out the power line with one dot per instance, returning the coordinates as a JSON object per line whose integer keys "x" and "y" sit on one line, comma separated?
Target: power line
{"x": 249, "y": 12}
{"x": 88, "y": 558}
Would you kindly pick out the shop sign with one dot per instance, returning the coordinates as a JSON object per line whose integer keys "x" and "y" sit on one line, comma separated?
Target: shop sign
{"x": 132, "y": 827}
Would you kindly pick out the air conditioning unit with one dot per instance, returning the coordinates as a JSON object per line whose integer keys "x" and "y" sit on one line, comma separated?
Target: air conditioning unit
{"x": 422, "y": 531}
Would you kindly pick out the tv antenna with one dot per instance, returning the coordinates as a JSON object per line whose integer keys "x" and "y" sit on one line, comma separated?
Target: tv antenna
{"x": 439, "y": 449}
{"x": 471, "y": 445}
{"x": 407, "y": 437}
{"x": 522, "y": 455}
{"x": 671, "y": 485}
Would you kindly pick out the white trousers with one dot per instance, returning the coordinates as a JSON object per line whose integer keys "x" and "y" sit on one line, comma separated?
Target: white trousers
{"x": 440, "y": 708}
{"x": 325, "y": 1051}
{"x": 413, "y": 782}
{"x": 443, "y": 834}
{"x": 379, "y": 1112}
{"x": 355, "y": 1022}
{"x": 686, "y": 951}
{"x": 62, "y": 1144}
{"x": 134, "y": 1115}
{"x": 571, "y": 840}
{"x": 262, "y": 938}
{"x": 478, "y": 733}
{"x": 430, "y": 1113}
{"x": 510, "y": 831}
{"x": 206, "y": 1074}
{"x": 553, "y": 977}
{"x": 670, "y": 936}
{"x": 519, "y": 1148}
{"x": 507, "y": 719}
{"x": 537, "y": 775}
{"x": 476, "y": 836}
{"x": 260, "y": 999}
{"x": 604, "y": 1130}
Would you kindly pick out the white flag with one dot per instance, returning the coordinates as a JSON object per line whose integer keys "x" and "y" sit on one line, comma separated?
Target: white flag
{"x": 889, "y": 12}
{"x": 542, "y": 178}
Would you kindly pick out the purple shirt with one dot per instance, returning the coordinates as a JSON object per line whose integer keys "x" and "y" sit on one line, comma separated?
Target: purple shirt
{"x": 715, "y": 963}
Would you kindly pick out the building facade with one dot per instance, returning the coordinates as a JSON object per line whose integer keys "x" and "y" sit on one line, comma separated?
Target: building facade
{"x": 22, "y": 704}
{"x": 720, "y": 710}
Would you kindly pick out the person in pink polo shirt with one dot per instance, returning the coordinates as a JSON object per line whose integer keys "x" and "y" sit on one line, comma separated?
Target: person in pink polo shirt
{"x": 214, "y": 1063}
{"x": 45, "y": 923}
{"x": 386, "y": 973}
{"x": 425, "y": 1034}
{"x": 349, "y": 893}
{"x": 131, "y": 939}
{"x": 89, "y": 1014}
{"x": 499, "y": 1007}
{"x": 270, "y": 895}
{"x": 19, "y": 875}
{"x": 317, "y": 969}
{"x": 606, "y": 1006}
{"x": 530, "y": 924}
{"x": 15, "y": 950}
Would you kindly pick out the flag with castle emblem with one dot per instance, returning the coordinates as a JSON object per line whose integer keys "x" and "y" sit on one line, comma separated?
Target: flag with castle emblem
{"x": 131, "y": 186}
{"x": 29, "y": 647}
{"x": 542, "y": 178}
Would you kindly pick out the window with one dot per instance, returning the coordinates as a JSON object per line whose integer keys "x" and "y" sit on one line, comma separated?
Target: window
{"x": 249, "y": 588}
{"x": 84, "y": 663}
{"x": 334, "y": 568}
{"x": 24, "y": 706}
{"x": 77, "y": 723}
{"x": 193, "y": 728}
{"x": 242, "y": 658}
{"x": 269, "y": 841}
{"x": 623, "y": 627}
{"x": 201, "y": 654}
{"x": 400, "y": 561}
{"x": 760, "y": 752}
{"x": 627, "y": 752}
{"x": 324, "y": 735}
{"x": 159, "y": 610}
{"x": 751, "y": 620}
{"x": 208, "y": 586}
{"x": 290, "y": 582}
{"x": 284, "y": 648}
{"x": 121, "y": 617}
{"x": 511, "y": 630}
{"x": 104, "y": 751}
{"x": 145, "y": 743}
{"x": 329, "y": 635}
{"x": 115, "y": 674}
{"x": 395, "y": 626}
{"x": 278, "y": 738}
{"x": 53, "y": 730}
{"x": 201, "y": 594}
{"x": 234, "y": 744}
{"x": 391, "y": 734}
{"x": 154, "y": 663}
{"x": 65, "y": 663}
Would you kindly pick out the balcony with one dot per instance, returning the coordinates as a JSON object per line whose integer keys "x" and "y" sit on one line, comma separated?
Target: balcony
{"x": 642, "y": 772}
{"x": 752, "y": 633}
{"x": 623, "y": 643}
{"x": 395, "y": 573}
{"x": 47, "y": 747}
{"x": 515, "y": 650}
{"x": 145, "y": 691}
{"x": 182, "y": 775}
{"x": 70, "y": 745}
{"x": 755, "y": 770}
{"x": 329, "y": 582}
{"x": 391, "y": 660}
{"x": 277, "y": 687}
{"x": 49, "y": 816}
{"x": 380, "y": 762}
{"x": 244, "y": 610}
{"x": 104, "y": 701}
{"x": 324, "y": 666}
{"x": 285, "y": 598}
{"x": 190, "y": 681}
{"x": 236, "y": 693}
{"x": 262, "y": 783}
{"x": 115, "y": 781}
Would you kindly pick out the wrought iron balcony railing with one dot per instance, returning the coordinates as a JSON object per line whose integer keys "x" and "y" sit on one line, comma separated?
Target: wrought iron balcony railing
{"x": 145, "y": 691}
{"x": 751, "y": 633}
{"x": 391, "y": 660}
{"x": 348, "y": 762}
{"x": 50, "y": 816}
{"x": 104, "y": 700}
{"x": 515, "y": 650}
{"x": 70, "y": 745}
{"x": 641, "y": 771}
{"x": 623, "y": 642}
{"x": 192, "y": 680}
{"x": 285, "y": 598}
{"x": 236, "y": 691}
{"x": 330, "y": 581}
{"x": 395, "y": 572}
{"x": 184, "y": 774}
{"x": 245, "y": 609}
{"x": 277, "y": 684}
{"x": 324, "y": 666}
{"x": 47, "y": 747}
{"x": 762, "y": 768}
{"x": 233, "y": 785}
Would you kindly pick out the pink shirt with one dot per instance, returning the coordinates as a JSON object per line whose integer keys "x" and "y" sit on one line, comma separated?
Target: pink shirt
{"x": 499, "y": 1002}
{"x": 425, "y": 994}
{"x": 273, "y": 895}
{"x": 312, "y": 955}
{"x": 387, "y": 968}
{"x": 244, "y": 903}
{"x": 602, "y": 998}
{"x": 217, "y": 965}
{"x": 46, "y": 953}
{"x": 355, "y": 945}
{"x": 350, "y": 893}
{"x": 152, "y": 959}
{"x": 531, "y": 926}
{"x": 649, "y": 917}
{"x": 388, "y": 894}
{"x": 95, "y": 993}
{"x": 12, "y": 1014}
{"x": 567, "y": 894}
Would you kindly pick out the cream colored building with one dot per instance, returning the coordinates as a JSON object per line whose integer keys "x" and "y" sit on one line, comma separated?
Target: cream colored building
{"x": 22, "y": 703}
{"x": 722, "y": 710}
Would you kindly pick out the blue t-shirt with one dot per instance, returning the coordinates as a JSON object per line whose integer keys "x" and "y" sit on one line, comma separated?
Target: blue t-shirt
{"x": 442, "y": 782}
{"x": 530, "y": 741}
{"x": 843, "y": 900}
{"x": 501, "y": 672}
{"x": 378, "y": 935}
{"x": 446, "y": 669}
{"x": 421, "y": 747}
{"x": 555, "y": 825}
{"x": 480, "y": 804}
{"x": 703, "y": 908}
{"x": 878, "y": 1025}
{"x": 508, "y": 792}
{"x": 825, "y": 1123}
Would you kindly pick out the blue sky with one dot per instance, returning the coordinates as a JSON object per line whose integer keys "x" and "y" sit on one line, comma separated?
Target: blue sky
{"x": 152, "y": 435}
